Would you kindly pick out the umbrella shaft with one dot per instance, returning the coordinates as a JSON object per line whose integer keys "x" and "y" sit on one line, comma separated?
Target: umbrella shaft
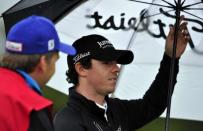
{"x": 177, "y": 13}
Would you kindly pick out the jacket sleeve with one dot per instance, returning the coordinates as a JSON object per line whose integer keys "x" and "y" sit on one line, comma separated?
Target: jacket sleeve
{"x": 141, "y": 111}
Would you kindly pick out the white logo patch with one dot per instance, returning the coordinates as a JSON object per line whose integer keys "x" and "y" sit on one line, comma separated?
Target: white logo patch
{"x": 51, "y": 44}
{"x": 105, "y": 44}
{"x": 14, "y": 46}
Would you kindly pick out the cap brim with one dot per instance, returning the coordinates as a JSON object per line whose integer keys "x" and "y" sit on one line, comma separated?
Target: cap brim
{"x": 124, "y": 56}
{"x": 120, "y": 56}
{"x": 67, "y": 49}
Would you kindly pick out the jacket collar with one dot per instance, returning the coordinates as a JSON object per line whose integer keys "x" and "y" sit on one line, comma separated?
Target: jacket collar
{"x": 80, "y": 102}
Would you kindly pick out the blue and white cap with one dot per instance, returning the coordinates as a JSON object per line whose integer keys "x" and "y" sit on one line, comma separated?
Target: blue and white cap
{"x": 35, "y": 35}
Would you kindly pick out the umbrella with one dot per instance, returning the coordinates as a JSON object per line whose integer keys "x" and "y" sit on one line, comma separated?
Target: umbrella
{"x": 119, "y": 24}
{"x": 192, "y": 10}
{"x": 177, "y": 7}
{"x": 52, "y": 9}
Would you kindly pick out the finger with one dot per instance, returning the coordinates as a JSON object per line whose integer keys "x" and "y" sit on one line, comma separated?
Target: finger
{"x": 187, "y": 39}
{"x": 183, "y": 26}
{"x": 187, "y": 35}
{"x": 182, "y": 17}
{"x": 185, "y": 32}
{"x": 171, "y": 31}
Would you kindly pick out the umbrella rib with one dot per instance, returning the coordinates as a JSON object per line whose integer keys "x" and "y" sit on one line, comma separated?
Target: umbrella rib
{"x": 193, "y": 15}
{"x": 193, "y": 9}
{"x": 150, "y": 3}
{"x": 175, "y": 2}
{"x": 183, "y": 2}
{"x": 157, "y": 14}
{"x": 169, "y": 3}
{"x": 192, "y": 4}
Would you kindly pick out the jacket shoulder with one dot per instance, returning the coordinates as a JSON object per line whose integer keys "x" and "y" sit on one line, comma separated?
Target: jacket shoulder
{"x": 67, "y": 119}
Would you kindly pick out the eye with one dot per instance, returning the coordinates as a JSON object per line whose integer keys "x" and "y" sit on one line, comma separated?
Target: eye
{"x": 109, "y": 62}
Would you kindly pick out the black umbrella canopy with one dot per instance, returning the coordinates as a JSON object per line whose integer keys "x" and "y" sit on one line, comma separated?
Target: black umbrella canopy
{"x": 52, "y": 9}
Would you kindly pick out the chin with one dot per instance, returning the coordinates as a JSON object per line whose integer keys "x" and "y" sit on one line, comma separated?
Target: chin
{"x": 111, "y": 90}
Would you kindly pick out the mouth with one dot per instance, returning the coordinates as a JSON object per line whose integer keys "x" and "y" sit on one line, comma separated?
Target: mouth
{"x": 113, "y": 79}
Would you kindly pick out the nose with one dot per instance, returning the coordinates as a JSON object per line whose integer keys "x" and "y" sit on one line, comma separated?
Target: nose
{"x": 116, "y": 68}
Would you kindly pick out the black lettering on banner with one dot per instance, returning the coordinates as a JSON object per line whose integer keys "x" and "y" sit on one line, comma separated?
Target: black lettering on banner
{"x": 132, "y": 23}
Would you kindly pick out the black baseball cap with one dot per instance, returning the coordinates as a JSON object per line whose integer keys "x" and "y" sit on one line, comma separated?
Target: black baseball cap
{"x": 99, "y": 48}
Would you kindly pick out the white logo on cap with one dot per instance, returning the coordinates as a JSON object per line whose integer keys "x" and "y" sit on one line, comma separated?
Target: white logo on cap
{"x": 105, "y": 44}
{"x": 80, "y": 56}
{"x": 14, "y": 46}
{"x": 51, "y": 44}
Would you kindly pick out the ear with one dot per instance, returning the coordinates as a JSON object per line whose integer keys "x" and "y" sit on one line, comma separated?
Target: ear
{"x": 80, "y": 69}
{"x": 39, "y": 70}
{"x": 42, "y": 65}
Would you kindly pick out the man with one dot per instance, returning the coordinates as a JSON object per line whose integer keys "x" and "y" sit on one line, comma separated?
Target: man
{"x": 28, "y": 63}
{"x": 94, "y": 72}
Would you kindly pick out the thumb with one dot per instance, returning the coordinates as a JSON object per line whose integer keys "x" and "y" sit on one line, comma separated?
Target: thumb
{"x": 171, "y": 32}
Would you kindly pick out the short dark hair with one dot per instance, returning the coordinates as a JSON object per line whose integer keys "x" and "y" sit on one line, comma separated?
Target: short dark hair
{"x": 71, "y": 73}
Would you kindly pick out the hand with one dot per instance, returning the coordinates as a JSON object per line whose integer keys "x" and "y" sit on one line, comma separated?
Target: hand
{"x": 182, "y": 40}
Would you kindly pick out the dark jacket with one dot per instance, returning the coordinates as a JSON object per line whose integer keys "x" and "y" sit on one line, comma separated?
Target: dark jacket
{"x": 82, "y": 114}
{"x": 41, "y": 121}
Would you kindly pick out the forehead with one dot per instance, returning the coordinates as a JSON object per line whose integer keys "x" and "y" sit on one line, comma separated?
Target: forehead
{"x": 101, "y": 61}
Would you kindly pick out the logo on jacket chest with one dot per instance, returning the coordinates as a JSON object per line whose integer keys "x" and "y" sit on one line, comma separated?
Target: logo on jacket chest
{"x": 99, "y": 127}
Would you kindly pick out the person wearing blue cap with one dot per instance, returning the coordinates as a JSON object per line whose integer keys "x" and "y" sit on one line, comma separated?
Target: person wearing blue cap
{"x": 94, "y": 71}
{"x": 31, "y": 51}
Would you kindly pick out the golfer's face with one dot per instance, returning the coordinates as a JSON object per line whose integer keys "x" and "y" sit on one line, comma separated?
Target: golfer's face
{"x": 102, "y": 76}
